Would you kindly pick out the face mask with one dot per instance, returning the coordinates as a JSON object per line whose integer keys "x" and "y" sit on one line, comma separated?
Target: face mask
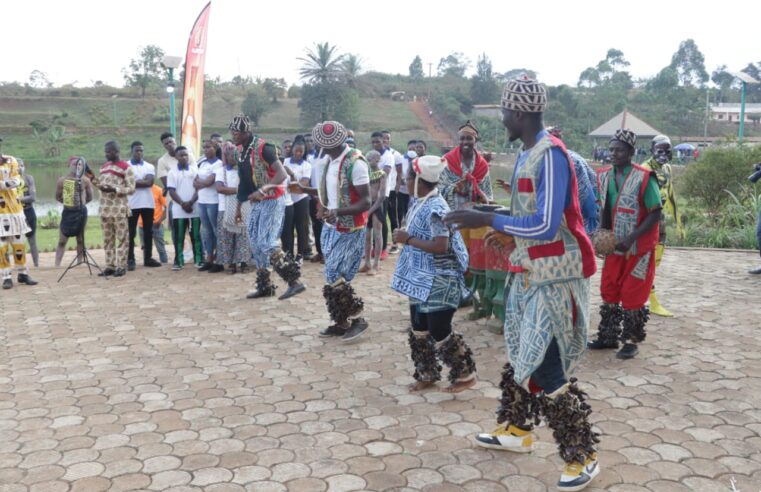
{"x": 411, "y": 154}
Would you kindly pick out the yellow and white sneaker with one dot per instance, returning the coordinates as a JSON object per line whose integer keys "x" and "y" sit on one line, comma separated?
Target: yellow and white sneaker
{"x": 576, "y": 476}
{"x": 511, "y": 438}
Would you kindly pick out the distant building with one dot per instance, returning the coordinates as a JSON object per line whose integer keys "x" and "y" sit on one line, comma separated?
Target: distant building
{"x": 624, "y": 119}
{"x": 730, "y": 112}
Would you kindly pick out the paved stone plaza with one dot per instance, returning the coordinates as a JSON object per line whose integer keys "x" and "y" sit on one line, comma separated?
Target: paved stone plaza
{"x": 173, "y": 381}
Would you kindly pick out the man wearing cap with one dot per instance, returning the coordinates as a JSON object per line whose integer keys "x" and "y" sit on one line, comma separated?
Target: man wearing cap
{"x": 631, "y": 208}
{"x": 261, "y": 182}
{"x": 13, "y": 225}
{"x": 546, "y": 293}
{"x": 660, "y": 150}
{"x": 430, "y": 273}
{"x": 343, "y": 201}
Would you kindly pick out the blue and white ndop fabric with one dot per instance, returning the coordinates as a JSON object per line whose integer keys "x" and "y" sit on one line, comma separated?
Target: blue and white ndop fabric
{"x": 416, "y": 269}
{"x": 264, "y": 227}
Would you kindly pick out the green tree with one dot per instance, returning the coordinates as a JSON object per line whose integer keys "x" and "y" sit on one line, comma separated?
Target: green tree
{"x": 274, "y": 88}
{"x": 352, "y": 68}
{"x": 256, "y": 104}
{"x": 483, "y": 86}
{"x": 39, "y": 80}
{"x": 589, "y": 77}
{"x": 337, "y": 101}
{"x": 416, "y": 69}
{"x": 689, "y": 64}
{"x": 321, "y": 65}
{"x": 145, "y": 71}
{"x": 455, "y": 64}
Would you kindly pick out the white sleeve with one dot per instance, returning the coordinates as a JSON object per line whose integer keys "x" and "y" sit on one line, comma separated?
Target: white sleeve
{"x": 216, "y": 170}
{"x": 398, "y": 160}
{"x": 171, "y": 180}
{"x": 359, "y": 174}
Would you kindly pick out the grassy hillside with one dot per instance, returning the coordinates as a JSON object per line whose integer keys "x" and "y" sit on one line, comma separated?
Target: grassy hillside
{"x": 90, "y": 123}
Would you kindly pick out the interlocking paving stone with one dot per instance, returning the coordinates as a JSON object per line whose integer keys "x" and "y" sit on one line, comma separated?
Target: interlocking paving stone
{"x": 227, "y": 394}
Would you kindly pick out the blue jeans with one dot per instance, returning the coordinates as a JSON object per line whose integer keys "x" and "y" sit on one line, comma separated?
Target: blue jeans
{"x": 208, "y": 213}
{"x": 158, "y": 241}
{"x": 549, "y": 375}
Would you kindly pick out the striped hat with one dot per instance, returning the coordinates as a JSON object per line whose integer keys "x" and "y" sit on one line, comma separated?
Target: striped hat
{"x": 329, "y": 134}
{"x": 525, "y": 95}
{"x": 240, "y": 123}
{"x": 626, "y": 136}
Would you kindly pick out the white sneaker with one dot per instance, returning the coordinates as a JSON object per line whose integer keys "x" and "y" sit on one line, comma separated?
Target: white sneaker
{"x": 576, "y": 476}
{"x": 507, "y": 439}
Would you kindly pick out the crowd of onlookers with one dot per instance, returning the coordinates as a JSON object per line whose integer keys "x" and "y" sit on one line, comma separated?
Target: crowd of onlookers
{"x": 195, "y": 198}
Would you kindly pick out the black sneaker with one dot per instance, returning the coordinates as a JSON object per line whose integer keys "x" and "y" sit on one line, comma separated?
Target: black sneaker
{"x": 332, "y": 331}
{"x": 151, "y": 263}
{"x": 205, "y": 266}
{"x": 293, "y": 290}
{"x": 600, "y": 345}
{"x": 131, "y": 265}
{"x": 357, "y": 328}
{"x": 628, "y": 351}
{"x": 24, "y": 278}
{"x": 216, "y": 268}
{"x": 107, "y": 272}
{"x": 7, "y": 284}
{"x": 119, "y": 272}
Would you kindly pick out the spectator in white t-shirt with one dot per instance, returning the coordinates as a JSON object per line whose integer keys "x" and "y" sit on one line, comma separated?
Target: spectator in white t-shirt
{"x": 141, "y": 204}
{"x": 166, "y": 163}
{"x": 318, "y": 164}
{"x": 388, "y": 165}
{"x": 184, "y": 208}
{"x": 208, "y": 205}
{"x": 299, "y": 171}
{"x": 392, "y": 190}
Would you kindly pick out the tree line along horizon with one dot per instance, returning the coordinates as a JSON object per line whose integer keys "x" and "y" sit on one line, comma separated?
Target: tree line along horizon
{"x": 334, "y": 83}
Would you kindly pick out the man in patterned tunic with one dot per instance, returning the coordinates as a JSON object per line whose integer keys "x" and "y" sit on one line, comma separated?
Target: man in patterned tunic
{"x": 546, "y": 293}
{"x": 116, "y": 181}
{"x": 13, "y": 225}
{"x": 631, "y": 208}
{"x": 262, "y": 179}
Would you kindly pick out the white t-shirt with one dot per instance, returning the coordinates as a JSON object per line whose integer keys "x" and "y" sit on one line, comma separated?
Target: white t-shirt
{"x": 182, "y": 182}
{"x": 318, "y": 165}
{"x": 406, "y": 162}
{"x": 166, "y": 163}
{"x": 387, "y": 161}
{"x": 359, "y": 176}
{"x": 142, "y": 197}
{"x": 228, "y": 177}
{"x": 303, "y": 170}
{"x": 207, "y": 195}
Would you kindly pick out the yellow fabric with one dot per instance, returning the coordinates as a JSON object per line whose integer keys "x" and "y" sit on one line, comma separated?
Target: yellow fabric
{"x": 4, "y": 260}
{"x": 19, "y": 254}
{"x": 659, "y": 249}
{"x": 668, "y": 198}
{"x": 9, "y": 202}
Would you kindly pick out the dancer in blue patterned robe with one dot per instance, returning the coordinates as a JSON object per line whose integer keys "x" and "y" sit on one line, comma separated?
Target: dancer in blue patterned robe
{"x": 430, "y": 272}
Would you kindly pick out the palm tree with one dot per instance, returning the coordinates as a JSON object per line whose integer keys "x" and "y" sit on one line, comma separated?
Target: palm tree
{"x": 322, "y": 65}
{"x": 352, "y": 67}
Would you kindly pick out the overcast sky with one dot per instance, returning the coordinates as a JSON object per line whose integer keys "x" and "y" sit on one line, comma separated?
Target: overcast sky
{"x": 85, "y": 41}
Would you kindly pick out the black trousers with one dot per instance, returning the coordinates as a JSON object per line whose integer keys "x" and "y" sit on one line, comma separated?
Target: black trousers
{"x": 147, "y": 215}
{"x": 301, "y": 224}
{"x": 316, "y": 223}
{"x": 437, "y": 323}
{"x": 402, "y": 205}
{"x": 286, "y": 236}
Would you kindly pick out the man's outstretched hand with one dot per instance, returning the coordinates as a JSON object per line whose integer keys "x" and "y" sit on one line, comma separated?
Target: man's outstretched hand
{"x": 468, "y": 219}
